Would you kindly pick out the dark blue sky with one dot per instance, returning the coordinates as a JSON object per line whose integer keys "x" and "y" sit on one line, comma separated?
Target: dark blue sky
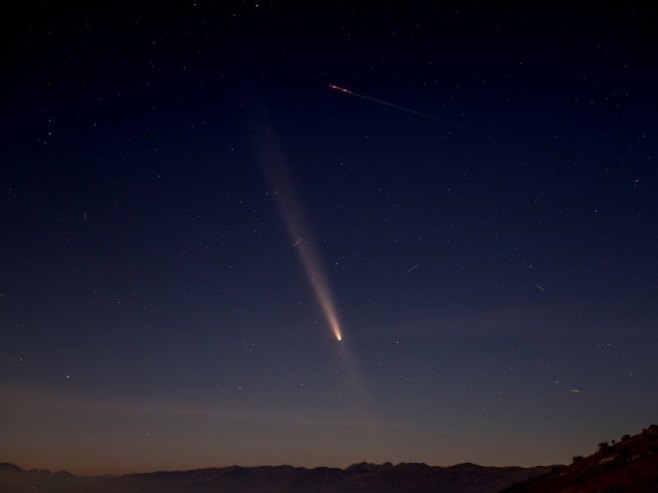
{"x": 496, "y": 286}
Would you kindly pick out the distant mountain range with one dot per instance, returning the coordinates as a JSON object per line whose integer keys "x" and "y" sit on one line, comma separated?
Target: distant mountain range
{"x": 358, "y": 478}
{"x": 628, "y": 466}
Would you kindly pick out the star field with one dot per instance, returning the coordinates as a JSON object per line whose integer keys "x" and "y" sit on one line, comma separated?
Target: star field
{"x": 494, "y": 278}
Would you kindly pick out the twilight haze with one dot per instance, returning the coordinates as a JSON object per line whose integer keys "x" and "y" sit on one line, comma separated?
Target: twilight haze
{"x": 192, "y": 207}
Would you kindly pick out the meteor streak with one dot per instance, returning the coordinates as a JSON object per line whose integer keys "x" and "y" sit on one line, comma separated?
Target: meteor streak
{"x": 341, "y": 89}
{"x": 397, "y": 107}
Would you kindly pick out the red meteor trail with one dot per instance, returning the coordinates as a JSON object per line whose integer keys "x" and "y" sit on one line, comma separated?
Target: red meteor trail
{"x": 397, "y": 107}
{"x": 341, "y": 89}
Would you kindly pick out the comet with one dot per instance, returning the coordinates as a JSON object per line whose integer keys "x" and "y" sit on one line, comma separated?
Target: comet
{"x": 291, "y": 210}
{"x": 397, "y": 107}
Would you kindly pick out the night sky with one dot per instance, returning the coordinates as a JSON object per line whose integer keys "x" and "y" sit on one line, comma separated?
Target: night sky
{"x": 182, "y": 195}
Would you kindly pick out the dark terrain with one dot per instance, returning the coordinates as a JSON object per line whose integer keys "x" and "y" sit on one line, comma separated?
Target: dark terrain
{"x": 628, "y": 466}
{"x": 358, "y": 478}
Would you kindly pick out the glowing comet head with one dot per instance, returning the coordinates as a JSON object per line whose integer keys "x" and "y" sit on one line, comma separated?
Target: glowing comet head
{"x": 322, "y": 293}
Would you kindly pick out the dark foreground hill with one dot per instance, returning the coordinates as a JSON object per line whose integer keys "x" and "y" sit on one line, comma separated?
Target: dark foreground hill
{"x": 628, "y": 466}
{"x": 359, "y": 478}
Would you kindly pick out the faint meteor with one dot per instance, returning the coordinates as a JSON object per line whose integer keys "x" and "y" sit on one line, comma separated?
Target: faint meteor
{"x": 341, "y": 89}
{"x": 397, "y": 107}
{"x": 293, "y": 215}
{"x": 539, "y": 287}
{"x": 413, "y": 268}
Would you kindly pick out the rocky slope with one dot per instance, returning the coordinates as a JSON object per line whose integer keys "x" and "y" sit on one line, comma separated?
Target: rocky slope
{"x": 628, "y": 466}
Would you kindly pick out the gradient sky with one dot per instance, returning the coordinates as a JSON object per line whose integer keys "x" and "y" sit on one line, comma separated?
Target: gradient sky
{"x": 496, "y": 286}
